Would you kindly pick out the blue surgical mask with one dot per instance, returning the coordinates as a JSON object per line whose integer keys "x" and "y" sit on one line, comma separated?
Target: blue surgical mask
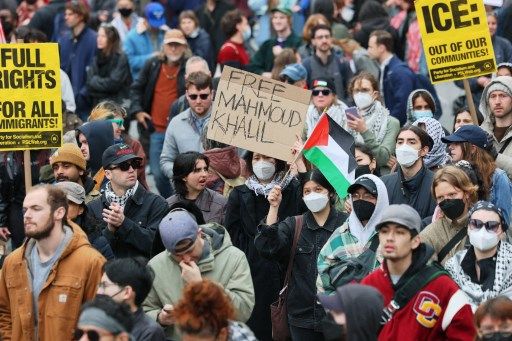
{"x": 417, "y": 114}
{"x": 247, "y": 33}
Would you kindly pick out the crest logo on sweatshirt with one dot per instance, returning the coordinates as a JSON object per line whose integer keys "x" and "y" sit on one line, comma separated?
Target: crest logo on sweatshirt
{"x": 427, "y": 309}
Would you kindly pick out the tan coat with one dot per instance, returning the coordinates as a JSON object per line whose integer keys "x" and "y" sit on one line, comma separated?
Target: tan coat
{"x": 72, "y": 281}
{"x": 440, "y": 232}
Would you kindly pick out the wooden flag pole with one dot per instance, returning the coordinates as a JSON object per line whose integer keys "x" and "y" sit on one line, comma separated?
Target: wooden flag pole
{"x": 469, "y": 99}
{"x": 27, "y": 169}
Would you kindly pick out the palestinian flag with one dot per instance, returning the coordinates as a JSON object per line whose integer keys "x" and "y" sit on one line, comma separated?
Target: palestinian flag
{"x": 331, "y": 149}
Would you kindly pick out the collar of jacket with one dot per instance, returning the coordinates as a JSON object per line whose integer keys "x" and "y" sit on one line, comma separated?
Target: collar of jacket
{"x": 414, "y": 183}
{"x": 137, "y": 197}
{"x": 334, "y": 220}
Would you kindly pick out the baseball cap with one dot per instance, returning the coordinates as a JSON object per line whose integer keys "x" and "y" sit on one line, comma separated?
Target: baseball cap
{"x": 365, "y": 182}
{"x": 154, "y": 12}
{"x": 323, "y": 82}
{"x": 175, "y": 36}
{"x": 340, "y": 31}
{"x": 74, "y": 192}
{"x": 69, "y": 152}
{"x": 469, "y": 133}
{"x": 403, "y": 215}
{"x": 282, "y": 9}
{"x": 177, "y": 226}
{"x": 117, "y": 154}
{"x": 295, "y": 72}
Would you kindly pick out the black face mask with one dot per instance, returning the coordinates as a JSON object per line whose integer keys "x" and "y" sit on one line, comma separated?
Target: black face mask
{"x": 363, "y": 209}
{"x": 362, "y": 169}
{"x": 333, "y": 331}
{"x": 498, "y": 336}
{"x": 125, "y": 12}
{"x": 452, "y": 208}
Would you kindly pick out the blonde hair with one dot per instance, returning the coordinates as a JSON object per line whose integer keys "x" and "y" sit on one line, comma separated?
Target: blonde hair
{"x": 457, "y": 178}
{"x": 106, "y": 110}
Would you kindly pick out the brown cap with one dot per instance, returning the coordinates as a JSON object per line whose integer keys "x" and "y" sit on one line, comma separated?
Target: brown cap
{"x": 175, "y": 36}
{"x": 69, "y": 152}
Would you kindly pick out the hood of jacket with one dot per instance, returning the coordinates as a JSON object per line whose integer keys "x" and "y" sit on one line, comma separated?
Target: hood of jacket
{"x": 502, "y": 278}
{"x": 225, "y": 161}
{"x": 484, "y": 107}
{"x": 218, "y": 240}
{"x": 100, "y": 136}
{"x": 361, "y": 301}
{"x": 364, "y": 233}
{"x": 409, "y": 108}
{"x": 437, "y": 156}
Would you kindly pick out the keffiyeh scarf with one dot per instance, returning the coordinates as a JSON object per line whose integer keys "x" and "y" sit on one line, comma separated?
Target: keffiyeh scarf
{"x": 112, "y": 197}
{"x": 264, "y": 189}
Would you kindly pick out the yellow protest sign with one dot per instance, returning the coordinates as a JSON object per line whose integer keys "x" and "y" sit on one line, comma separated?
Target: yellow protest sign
{"x": 456, "y": 39}
{"x": 30, "y": 97}
{"x": 257, "y": 113}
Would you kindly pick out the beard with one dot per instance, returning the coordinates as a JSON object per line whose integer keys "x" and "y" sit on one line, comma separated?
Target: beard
{"x": 173, "y": 58}
{"x": 43, "y": 233}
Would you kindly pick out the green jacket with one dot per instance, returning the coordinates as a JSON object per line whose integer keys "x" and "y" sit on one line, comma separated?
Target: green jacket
{"x": 384, "y": 150}
{"x": 224, "y": 264}
{"x": 263, "y": 60}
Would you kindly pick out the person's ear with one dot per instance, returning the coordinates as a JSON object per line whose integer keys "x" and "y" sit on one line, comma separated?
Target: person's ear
{"x": 124, "y": 336}
{"x": 373, "y": 165}
{"x": 81, "y": 209}
{"x": 81, "y": 173}
{"x": 59, "y": 213}
{"x": 108, "y": 174}
{"x": 415, "y": 242}
{"x": 424, "y": 151}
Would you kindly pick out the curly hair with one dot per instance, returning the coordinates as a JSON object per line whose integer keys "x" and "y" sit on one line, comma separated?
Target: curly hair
{"x": 204, "y": 309}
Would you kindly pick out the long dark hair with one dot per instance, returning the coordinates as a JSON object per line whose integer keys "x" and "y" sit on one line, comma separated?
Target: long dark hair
{"x": 317, "y": 176}
{"x": 113, "y": 39}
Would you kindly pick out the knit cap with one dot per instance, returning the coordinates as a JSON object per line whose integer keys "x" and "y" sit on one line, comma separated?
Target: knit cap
{"x": 69, "y": 152}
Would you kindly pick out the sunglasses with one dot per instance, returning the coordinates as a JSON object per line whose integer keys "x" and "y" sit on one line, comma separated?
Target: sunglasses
{"x": 490, "y": 226}
{"x": 118, "y": 121}
{"x": 124, "y": 166}
{"x": 92, "y": 335}
{"x": 324, "y": 92}
{"x": 201, "y": 96}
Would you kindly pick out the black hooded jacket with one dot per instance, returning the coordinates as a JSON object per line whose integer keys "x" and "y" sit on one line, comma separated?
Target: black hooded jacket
{"x": 100, "y": 136}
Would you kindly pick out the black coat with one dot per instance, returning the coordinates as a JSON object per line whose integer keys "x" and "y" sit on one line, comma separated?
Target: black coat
{"x": 109, "y": 78}
{"x": 245, "y": 210}
{"x": 275, "y": 242}
{"x": 143, "y": 88}
{"x": 143, "y": 212}
{"x": 415, "y": 192}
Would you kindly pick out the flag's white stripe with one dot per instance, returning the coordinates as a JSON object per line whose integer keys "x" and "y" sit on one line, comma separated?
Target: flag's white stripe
{"x": 339, "y": 158}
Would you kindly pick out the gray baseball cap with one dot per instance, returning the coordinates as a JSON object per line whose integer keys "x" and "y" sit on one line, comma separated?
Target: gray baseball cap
{"x": 177, "y": 226}
{"x": 74, "y": 192}
{"x": 403, "y": 215}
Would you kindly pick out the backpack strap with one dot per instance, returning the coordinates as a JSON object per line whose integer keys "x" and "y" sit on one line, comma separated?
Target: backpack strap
{"x": 449, "y": 246}
{"x": 410, "y": 289}
{"x": 505, "y": 146}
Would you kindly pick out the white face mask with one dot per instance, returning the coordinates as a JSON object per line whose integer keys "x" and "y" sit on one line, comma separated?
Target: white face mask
{"x": 315, "y": 202}
{"x": 406, "y": 155}
{"x": 247, "y": 33}
{"x": 263, "y": 170}
{"x": 482, "y": 239}
{"x": 347, "y": 13}
{"x": 363, "y": 100}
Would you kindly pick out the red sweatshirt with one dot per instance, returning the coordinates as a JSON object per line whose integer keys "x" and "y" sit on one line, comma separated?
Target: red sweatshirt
{"x": 439, "y": 311}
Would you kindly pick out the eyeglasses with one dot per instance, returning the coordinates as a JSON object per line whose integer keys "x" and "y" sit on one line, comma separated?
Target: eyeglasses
{"x": 201, "y": 96}
{"x": 125, "y": 166}
{"x": 118, "y": 121}
{"x": 490, "y": 226}
{"x": 325, "y": 92}
{"x": 92, "y": 335}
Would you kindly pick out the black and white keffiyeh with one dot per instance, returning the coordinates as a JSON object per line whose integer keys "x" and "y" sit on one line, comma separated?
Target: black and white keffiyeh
{"x": 264, "y": 189}
{"x": 112, "y": 197}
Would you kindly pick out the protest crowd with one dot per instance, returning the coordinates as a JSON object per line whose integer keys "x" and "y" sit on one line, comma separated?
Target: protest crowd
{"x": 143, "y": 225}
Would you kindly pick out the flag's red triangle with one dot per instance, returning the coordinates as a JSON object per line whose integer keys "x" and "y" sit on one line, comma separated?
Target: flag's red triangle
{"x": 320, "y": 135}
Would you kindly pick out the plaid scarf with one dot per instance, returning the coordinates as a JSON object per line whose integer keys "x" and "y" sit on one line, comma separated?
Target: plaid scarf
{"x": 121, "y": 200}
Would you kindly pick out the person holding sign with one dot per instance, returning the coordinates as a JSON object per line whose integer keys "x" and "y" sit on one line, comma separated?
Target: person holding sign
{"x": 247, "y": 206}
